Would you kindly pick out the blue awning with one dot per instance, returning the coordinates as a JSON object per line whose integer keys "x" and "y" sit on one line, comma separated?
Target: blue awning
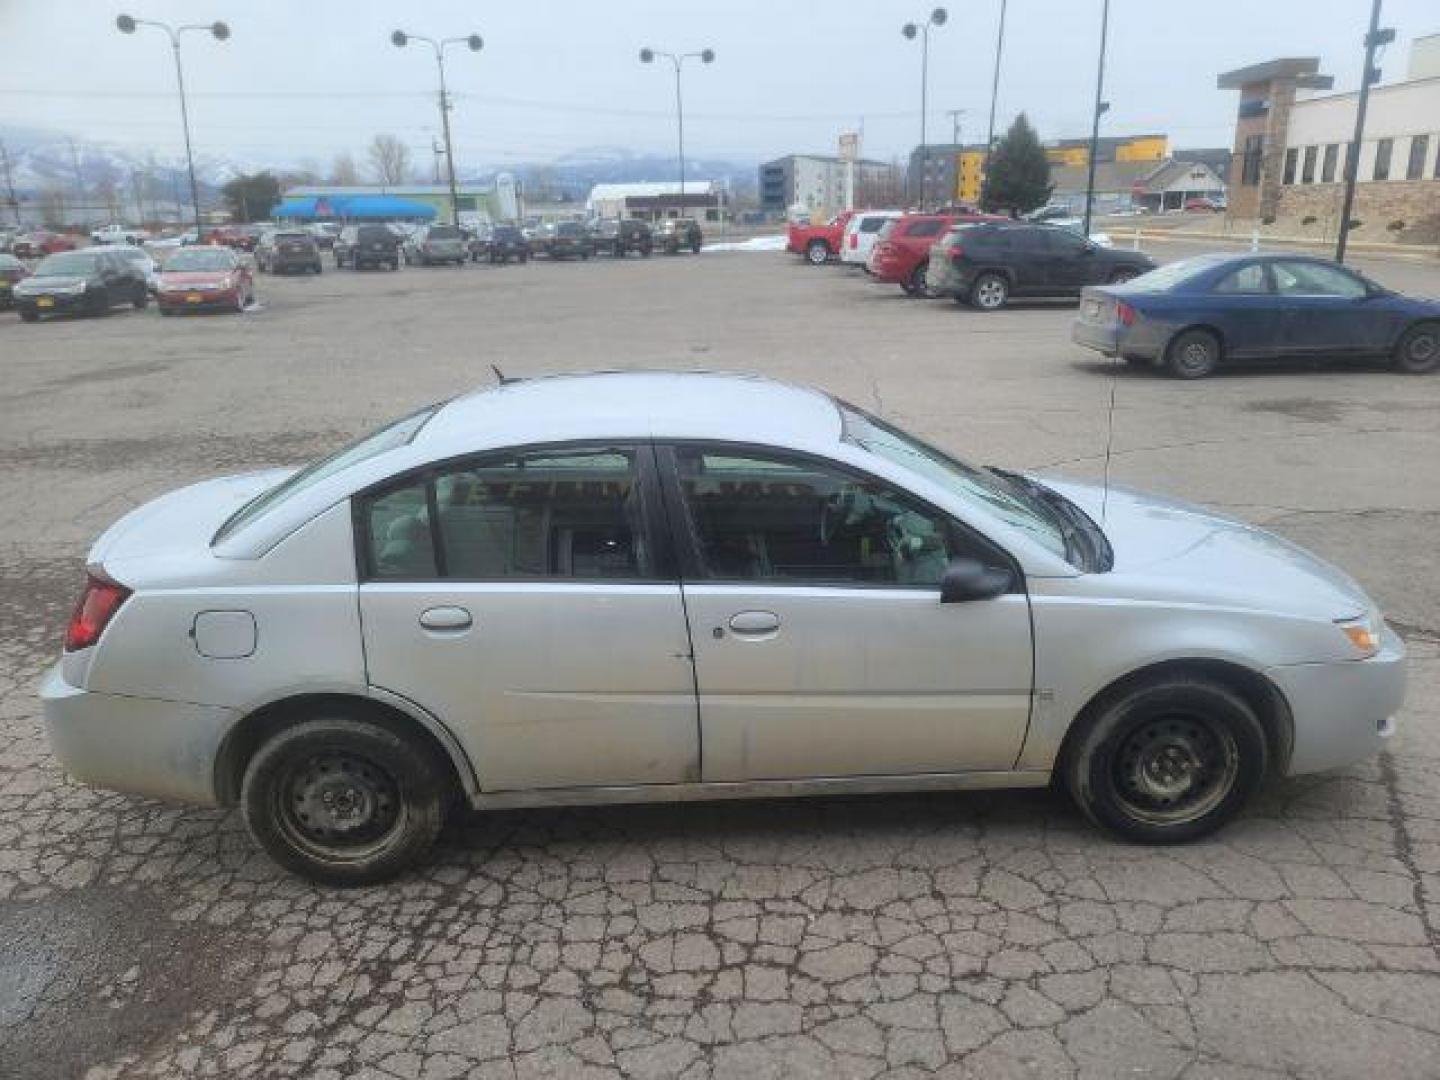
{"x": 353, "y": 207}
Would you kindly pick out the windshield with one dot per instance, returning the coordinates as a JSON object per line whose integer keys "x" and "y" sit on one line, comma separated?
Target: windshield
{"x": 568, "y": 228}
{"x": 200, "y": 259}
{"x": 66, "y": 264}
{"x": 390, "y": 437}
{"x": 992, "y": 494}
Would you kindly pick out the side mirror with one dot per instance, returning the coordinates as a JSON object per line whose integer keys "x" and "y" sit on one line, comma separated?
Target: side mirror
{"x": 970, "y": 579}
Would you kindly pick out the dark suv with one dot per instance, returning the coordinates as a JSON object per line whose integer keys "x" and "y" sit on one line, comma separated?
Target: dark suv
{"x": 621, "y": 236}
{"x": 292, "y": 249}
{"x": 359, "y": 246}
{"x": 564, "y": 240}
{"x": 984, "y": 264}
{"x": 675, "y": 234}
{"x": 500, "y": 245}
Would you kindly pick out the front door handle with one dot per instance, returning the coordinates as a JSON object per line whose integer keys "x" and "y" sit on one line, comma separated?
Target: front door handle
{"x": 446, "y": 618}
{"x": 755, "y": 624}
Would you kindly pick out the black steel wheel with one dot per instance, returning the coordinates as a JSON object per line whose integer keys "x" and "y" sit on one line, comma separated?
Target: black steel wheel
{"x": 344, "y": 801}
{"x": 1193, "y": 354}
{"x": 1168, "y": 760}
{"x": 1418, "y": 351}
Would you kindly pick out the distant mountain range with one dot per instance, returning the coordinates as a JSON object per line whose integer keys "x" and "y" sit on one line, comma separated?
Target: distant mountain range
{"x": 49, "y": 165}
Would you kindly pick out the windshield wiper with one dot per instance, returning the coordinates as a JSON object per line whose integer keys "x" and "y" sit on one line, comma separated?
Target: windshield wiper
{"x": 1076, "y": 526}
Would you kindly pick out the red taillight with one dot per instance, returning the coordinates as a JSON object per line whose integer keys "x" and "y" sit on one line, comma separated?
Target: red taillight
{"x": 854, "y": 240}
{"x": 957, "y": 252}
{"x": 1125, "y": 313}
{"x": 96, "y": 607}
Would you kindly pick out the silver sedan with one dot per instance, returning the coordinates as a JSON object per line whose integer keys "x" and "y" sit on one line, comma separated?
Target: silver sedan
{"x": 638, "y": 587}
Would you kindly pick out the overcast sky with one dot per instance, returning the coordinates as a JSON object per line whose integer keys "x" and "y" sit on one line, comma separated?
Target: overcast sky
{"x": 307, "y": 78}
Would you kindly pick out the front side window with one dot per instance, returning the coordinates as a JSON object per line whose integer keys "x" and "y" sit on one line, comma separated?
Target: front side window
{"x": 761, "y": 517}
{"x": 1247, "y": 280}
{"x": 562, "y": 513}
{"x": 1316, "y": 279}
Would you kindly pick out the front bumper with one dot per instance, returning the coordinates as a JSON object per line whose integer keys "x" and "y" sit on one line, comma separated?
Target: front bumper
{"x": 141, "y": 746}
{"x": 1344, "y": 711}
{"x": 55, "y": 303}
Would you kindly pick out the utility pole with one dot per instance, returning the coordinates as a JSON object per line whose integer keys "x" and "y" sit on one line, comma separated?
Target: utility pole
{"x": 1100, "y": 108}
{"x": 995, "y": 83}
{"x": 1374, "y": 38}
{"x": 9, "y": 183}
{"x": 79, "y": 176}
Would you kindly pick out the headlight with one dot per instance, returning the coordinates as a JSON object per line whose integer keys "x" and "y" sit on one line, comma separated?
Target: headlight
{"x": 1364, "y": 633}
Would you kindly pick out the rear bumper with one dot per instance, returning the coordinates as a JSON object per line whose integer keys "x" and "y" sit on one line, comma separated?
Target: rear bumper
{"x": 1343, "y": 712}
{"x": 141, "y": 746}
{"x": 1098, "y": 336}
{"x": 891, "y": 271}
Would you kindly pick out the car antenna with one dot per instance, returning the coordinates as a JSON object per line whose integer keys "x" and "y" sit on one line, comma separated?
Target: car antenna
{"x": 500, "y": 376}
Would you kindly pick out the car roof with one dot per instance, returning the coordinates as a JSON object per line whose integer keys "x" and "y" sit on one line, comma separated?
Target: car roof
{"x": 637, "y": 404}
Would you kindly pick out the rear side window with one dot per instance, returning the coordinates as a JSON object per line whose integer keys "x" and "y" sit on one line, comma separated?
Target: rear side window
{"x": 563, "y": 513}
{"x": 1247, "y": 280}
{"x": 872, "y": 224}
{"x": 925, "y": 228}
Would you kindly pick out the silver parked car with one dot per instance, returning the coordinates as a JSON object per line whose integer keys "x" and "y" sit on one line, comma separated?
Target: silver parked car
{"x": 632, "y": 586}
{"x": 433, "y": 244}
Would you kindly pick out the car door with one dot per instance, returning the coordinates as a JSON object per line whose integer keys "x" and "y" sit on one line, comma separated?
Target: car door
{"x": 1072, "y": 263}
{"x": 1243, "y": 306}
{"x": 821, "y": 646}
{"x": 1327, "y": 311}
{"x": 526, "y": 599}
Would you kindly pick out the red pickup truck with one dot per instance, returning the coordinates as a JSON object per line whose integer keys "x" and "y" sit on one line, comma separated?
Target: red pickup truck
{"x": 818, "y": 243}
{"x": 902, "y": 252}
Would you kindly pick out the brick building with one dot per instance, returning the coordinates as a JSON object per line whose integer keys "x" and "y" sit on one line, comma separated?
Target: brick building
{"x": 1292, "y": 141}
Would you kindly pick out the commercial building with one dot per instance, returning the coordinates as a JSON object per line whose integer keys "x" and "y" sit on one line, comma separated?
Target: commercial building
{"x": 655, "y": 200}
{"x": 499, "y": 201}
{"x": 819, "y": 183}
{"x": 1292, "y": 141}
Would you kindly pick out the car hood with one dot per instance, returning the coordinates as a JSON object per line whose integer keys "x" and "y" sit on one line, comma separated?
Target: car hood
{"x": 183, "y": 520}
{"x": 182, "y": 278}
{"x": 1201, "y": 556}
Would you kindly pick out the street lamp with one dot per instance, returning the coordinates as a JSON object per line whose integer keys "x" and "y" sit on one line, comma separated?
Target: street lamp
{"x": 1101, "y": 108}
{"x": 705, "y": 56}
{"x": 127, "y": 24}
{"x": 474, "y": 43}
{"x": 937, "y": 18}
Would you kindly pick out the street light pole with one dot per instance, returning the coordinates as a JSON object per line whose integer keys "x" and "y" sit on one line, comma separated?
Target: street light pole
{"x": 677, "y": 60}
{"x": 220, "y": 31}
{"x": 474, "y": 43}
{"x": 1100, "y": 108}
{"x": 1374, "y": 38}
{"x": 937, "y": 18}
{"x": 995, "y": 83}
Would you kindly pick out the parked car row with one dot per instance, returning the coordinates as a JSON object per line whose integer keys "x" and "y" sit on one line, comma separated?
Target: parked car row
{"x": 1186, "y": 318}
{"x": 95, "y": 280}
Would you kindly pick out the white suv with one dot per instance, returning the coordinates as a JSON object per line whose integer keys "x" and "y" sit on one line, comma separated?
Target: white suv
{"x": 861, "y": 232}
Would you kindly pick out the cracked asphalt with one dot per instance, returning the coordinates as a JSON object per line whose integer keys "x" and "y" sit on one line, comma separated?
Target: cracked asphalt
{"x": 972, "y": 935}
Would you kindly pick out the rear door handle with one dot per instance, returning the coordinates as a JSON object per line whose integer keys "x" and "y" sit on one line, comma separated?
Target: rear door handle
{"x": 755, "y": 624}
{"x": 446, "y": 618}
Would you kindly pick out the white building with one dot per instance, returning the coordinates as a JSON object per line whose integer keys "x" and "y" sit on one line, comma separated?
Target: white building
{"x": 815, "y": 182}
{"x": 654, "y": 200}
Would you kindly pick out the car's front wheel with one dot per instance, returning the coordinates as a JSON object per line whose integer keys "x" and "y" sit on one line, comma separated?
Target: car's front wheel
{"x": 989, "y": 292}
{"x": 1168, "y": 760}
{"x": 1418, "y": 351}
{"x": 344, "y": 801}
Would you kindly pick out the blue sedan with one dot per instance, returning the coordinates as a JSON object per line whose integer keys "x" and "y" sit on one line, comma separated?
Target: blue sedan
{"x": 1191, "y": 316}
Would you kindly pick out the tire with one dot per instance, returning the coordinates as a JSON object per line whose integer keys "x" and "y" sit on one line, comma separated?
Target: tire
{"x": 394, "y": 265}
{"x": 319, "y": 267}
{"x": 239, "y": 303}
{"x": 305, "y": 784}
{"x": 99, "y": 302}
{"x": 1166, "y": 761}
{"x": 917, "y": 286}
{"x": 142, "y": 299}
{"x": 817, "y": 253}
{"x": 1193, "y": 354}
{"x": 990, "y": 292}
{"x": 1418, "y": 350}
{"x": 29, "y": 315}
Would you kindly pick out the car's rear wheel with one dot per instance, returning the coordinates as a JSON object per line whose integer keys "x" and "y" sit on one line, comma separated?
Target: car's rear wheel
{"x": 917, "y": 285}
{"x": 1193, "y": 354}
{"x": 818, "y": 253}
{"x": 142, "y": 298}
{"x": 29, "y": 314}
{"x": 1168, "y": 760}
{"x": 989, "y": 292}
{"x": 1418, "y": 351}
{"x": 344, "y": 801}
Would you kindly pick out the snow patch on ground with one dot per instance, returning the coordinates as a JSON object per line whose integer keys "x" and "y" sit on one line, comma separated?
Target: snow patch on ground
{"x": 755, "y": 243}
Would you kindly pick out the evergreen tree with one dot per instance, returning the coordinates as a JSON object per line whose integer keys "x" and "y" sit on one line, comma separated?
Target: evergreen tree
{"x": 251, "y": 196}
{"x": 1017, "y": 177}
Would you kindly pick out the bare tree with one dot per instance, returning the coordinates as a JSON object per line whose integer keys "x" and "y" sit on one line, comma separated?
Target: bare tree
{"x": 390, "y": 159}
{"x": 343, "y": 171}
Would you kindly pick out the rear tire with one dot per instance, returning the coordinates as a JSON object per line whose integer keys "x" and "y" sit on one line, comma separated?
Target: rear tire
{"x": 344, "y": 801}
{"x": 1167, "y": 761}
{"x": 917, "y": 286}
{"x": 1193, "y": 354}
{"x": 142, "y": 299}
{"x": 817, "y": 253}
{"x": 29, "y": 315}
{"x": 990, "y": 292}
{"x": 1418, "y": 350}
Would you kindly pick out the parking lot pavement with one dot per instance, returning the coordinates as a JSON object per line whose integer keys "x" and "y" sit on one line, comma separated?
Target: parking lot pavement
{"x": 975, "y": 935}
